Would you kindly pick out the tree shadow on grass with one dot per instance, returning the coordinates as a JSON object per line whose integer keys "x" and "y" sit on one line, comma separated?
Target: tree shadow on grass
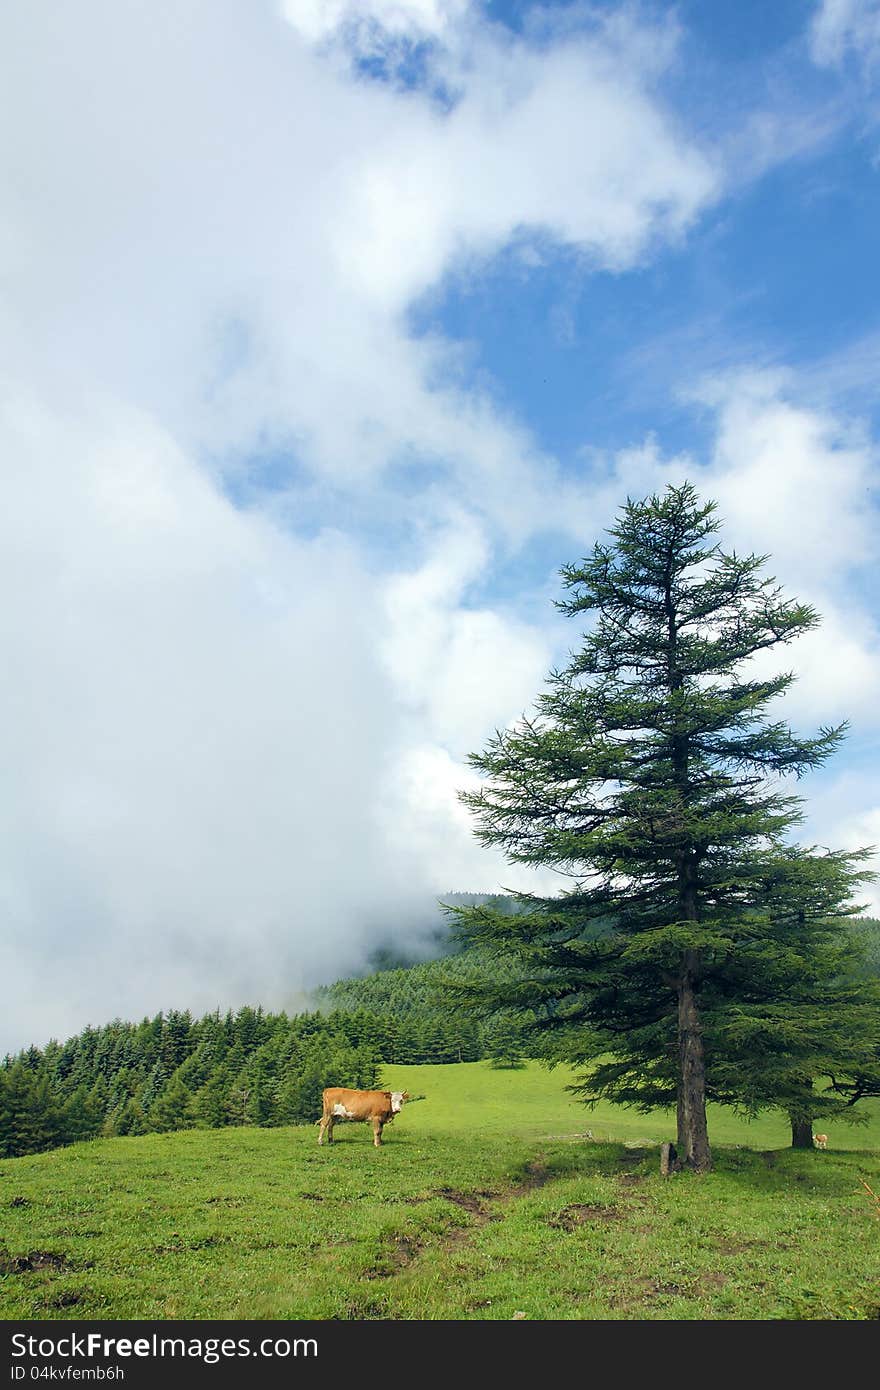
{"x": 787, "y": 1170}
{"x": 771, "y": 1170}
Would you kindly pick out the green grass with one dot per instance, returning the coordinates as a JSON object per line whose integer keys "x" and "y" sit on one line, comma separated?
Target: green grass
{"x": 485, "y": 1201}
{"x": 533, "y": 1103}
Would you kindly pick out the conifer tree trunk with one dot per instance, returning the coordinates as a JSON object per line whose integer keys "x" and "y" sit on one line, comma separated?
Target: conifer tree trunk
{"x": 801, "y": 1132}
{"x": 693, "y": 1130}
{"x": 801, "y": 1127}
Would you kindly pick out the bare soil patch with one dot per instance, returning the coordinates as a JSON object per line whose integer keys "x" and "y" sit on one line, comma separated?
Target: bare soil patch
{"x": 468, "y": 1201}
{"x": 402, "y": 1251}
{"x": 34, "y": 1261}
{"x": 68, "y": 1298}
{"x": 581, "y": 1213}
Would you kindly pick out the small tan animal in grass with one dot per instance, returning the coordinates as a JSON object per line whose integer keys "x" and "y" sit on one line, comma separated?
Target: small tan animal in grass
{"x": 821, "y": 1141}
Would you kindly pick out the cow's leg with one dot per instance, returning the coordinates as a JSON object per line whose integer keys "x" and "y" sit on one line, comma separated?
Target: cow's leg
{"x": 377, "y": 1131}
{"x": 326, "y": 1126}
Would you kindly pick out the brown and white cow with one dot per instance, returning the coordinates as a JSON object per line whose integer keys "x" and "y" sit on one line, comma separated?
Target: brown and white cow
{"x": 821, "y": 1141}
{"x": 377, "y": 1107}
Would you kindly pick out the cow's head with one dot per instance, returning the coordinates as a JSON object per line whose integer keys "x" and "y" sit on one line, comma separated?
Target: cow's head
{"x": 397, "y": 1099}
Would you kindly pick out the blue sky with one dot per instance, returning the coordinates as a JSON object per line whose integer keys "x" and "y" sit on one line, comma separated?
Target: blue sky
{"x": 776, "y": 273}
{"x": 329, "y": 331}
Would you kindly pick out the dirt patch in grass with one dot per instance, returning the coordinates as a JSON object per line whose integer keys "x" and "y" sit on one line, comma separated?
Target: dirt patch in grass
{"x": 181, "y": 1245}
{"x": 402, "y": 1251}
{"x": 68, "y": 1298}
{"x": 657, "y": 1289}
{"x": 33, "y": 1262}
{"x": 468, "y": 1201}
{"x": 363, "y": 1312}
{"x": 536, "y": 1175}
{"x": 739, "y": 1247}
{"x": 644, "y": 1289}
{"x": 19, "y": 1202}
{"x": 580, "y": 1213}
{"x": 479, "y": 1206}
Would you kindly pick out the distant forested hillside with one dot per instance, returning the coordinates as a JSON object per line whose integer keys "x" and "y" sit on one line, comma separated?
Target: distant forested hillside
{"x": 417, "y": 1020}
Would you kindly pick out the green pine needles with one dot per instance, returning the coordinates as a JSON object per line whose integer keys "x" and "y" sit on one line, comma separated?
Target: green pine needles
{"x": 698, "y": 954}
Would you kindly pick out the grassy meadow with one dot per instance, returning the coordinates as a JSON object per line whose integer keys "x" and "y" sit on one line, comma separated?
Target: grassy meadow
{"x": 495, "y": 1197}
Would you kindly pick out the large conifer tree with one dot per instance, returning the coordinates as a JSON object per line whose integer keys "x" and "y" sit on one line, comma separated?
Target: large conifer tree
{"x": 695, "y": 933}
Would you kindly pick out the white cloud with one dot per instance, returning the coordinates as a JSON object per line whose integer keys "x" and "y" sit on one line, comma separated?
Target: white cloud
{"x": 843, "y": 28}
{"x": 862, "y": 831}
{"x": 239, "y": 257}
{"x": 792, "y": 479}
{"x": 207, "y": 723}
{"x": 464, "y": 670}
{"x": 448, "y": 186}
{"x": 429, "y": 827}
{"x": 837, "y": 667}
{"x": 318, "y": 20}
{"x": 844, "y": 814}
{"x": 193, "y": 729}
